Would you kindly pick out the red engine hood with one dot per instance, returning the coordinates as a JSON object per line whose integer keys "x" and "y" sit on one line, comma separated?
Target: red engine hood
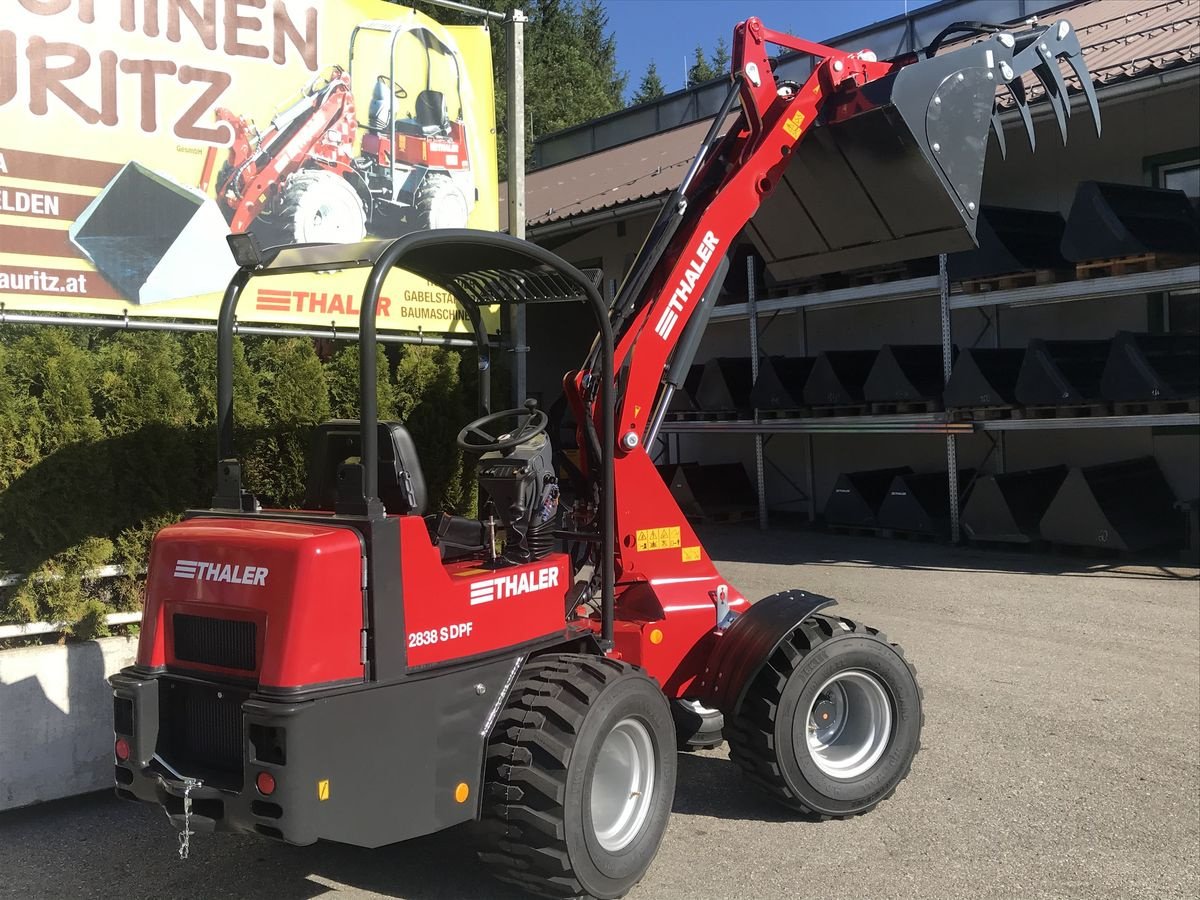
{"x": 274, "y": 601}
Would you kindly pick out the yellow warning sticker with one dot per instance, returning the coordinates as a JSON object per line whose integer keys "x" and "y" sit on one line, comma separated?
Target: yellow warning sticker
{"x": 793, "y": 125}
{"x": 691, "y": 554}
{"x": 658, "y": 538}
{"x": 464, "y": 572}
{"x": 323, "y": 789}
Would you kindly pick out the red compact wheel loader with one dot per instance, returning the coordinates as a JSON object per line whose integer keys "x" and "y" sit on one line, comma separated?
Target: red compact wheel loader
{"x": 303, "y": 178}
{"x": 366, "y": 671}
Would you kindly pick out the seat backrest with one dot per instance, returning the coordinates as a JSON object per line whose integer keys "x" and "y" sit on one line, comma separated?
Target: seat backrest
{"x": 401, "y": 481}
{"x": 430, "y": 110}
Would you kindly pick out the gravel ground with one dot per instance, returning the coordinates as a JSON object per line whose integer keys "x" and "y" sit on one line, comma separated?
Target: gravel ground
{"x": 1060, "y": 758}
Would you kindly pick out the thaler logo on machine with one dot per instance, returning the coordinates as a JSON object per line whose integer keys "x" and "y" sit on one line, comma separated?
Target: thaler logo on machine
{"x": 695, "y": 269}
{"x": 513, "y": 585}
{"x": 199, "y": 570}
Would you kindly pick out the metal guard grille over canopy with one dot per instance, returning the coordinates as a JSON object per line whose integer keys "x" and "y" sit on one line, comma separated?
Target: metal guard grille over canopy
{"x": 480, "y": 268}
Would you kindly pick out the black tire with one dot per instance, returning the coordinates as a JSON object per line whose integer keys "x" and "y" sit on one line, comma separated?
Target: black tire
{"x": 763, "y": 736}
{"x": 541, "y": 759}
{"x": 440, "y": 203}
{"x": 697, "y": 728}
{"x": 320, "y": 206}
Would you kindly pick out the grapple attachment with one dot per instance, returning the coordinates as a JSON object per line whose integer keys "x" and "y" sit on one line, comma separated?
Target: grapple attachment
{"x": 894, "y": 170}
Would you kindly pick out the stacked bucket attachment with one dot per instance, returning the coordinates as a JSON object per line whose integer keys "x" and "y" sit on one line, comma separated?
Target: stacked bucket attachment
{"x": 725, "y": 385}
{"x": 984, "y": 378}
{"x": 1062, "y": 373}
{"x": 904, "y": 377}
{"x": 1011, "y": 240}
{"x": 1109, "y": 221}
{"x": 718, "y": 492}
{"x": 1125, "y": 506}
{"x": 856, "y": 497}
{"x": 895, "y": 168}
{"x": 838, "y": 377}
{"x": 1152, "y": 369}
{"x": 780, "y": 383}
{"x": 919, "y": 505}
{"x": 1008, "y": 508}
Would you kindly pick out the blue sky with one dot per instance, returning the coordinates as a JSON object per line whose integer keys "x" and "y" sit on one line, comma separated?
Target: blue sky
{"x": 668, "y": 30}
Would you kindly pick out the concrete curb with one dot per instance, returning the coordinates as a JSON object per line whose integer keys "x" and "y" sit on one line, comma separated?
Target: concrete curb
{"x": 56, "y": 719}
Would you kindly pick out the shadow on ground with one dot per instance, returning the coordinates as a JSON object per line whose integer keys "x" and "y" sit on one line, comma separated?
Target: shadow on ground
{"x": 99, "y": 847}
{"x": 807, "y": 546}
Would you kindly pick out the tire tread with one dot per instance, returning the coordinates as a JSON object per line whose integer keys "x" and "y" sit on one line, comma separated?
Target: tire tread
{"x": 751, "y": 734}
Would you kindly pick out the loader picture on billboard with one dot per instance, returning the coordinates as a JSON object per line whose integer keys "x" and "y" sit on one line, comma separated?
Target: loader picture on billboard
{"x": 135, "y": 137}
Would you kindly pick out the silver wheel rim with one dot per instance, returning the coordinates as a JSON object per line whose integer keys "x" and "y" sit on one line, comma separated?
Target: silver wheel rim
{"x": 449, "y": 211}
{"x": 849, "y": 724}
{"x": 335, "y": 215}
{"x": 622, "y": 785}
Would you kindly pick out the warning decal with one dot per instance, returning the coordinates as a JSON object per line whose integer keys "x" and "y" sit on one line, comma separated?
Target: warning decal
{"x": 658, "y": 538}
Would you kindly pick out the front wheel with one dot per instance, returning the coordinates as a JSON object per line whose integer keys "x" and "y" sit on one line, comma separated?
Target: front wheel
{"x": 580, "y": 778}
{"x": 831, "y": 723}
{"x": 322, "y": 207}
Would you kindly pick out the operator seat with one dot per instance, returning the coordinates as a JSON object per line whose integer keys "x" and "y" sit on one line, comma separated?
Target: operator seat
{"x": 430, "y": 116}
{"x": 401, "y": 481}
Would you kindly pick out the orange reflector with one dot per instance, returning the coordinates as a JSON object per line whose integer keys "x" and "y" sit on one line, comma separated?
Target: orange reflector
{"x": 462, "y": 792}
{"x": 656, "y": 636}
{"x": 122, "y": 749}
{"x": 265, "y": 782}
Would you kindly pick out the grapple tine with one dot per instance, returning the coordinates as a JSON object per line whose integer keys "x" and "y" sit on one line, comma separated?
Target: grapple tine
{"x": 998, "y": 129}
{"x": 1079, "y": 67}
{"x": 1017, "y": 89}
{"x": 1058, "y": 102}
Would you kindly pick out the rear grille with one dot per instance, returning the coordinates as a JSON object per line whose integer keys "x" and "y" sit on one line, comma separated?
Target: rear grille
{"x": 200, "y": 731}
{"x": 228, "y": 643}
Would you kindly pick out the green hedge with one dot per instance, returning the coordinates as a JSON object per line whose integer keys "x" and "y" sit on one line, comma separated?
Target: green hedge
{"x": 105, "y": 436}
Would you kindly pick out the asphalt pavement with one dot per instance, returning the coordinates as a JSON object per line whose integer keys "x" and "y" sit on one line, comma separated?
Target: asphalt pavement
{"x": 1060, "y": 758}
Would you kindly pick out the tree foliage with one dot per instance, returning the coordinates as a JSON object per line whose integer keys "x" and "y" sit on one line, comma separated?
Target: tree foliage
{"x": 106, "y": 436}
{"x": 701, "y": 70}
{"x": 651, "y": 86}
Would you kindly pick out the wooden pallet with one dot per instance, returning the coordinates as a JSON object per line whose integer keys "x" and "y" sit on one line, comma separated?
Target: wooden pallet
{"x": 1080, "y": 411}
{"x": 1128, "y": 265}
{"x": 905, "y": 407}
{"x": 827, "y": 412}
{"x": 981, "y": 413}
{"x": 1156, "y": 407}
{"x": 1011, "y": 280}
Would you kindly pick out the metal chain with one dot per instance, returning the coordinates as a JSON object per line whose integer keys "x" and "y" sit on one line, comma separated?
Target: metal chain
{"x": 185, "y": 836}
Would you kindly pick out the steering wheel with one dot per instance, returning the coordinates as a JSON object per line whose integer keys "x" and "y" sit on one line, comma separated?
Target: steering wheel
{"x": 400, "y": 92}
{"x": 478, "y": 437}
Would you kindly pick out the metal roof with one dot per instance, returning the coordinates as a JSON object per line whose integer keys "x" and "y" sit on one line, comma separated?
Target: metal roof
{"x": 1121, "y": 39}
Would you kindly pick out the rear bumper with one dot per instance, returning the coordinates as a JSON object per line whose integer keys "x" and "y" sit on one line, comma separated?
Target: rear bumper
{"x": 368, "y": 765}
{"x": 225, "y": 799}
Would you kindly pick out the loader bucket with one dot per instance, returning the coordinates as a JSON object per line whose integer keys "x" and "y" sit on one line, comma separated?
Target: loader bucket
{"x": 894, "y": 169}
{"x": 155, "y": 239}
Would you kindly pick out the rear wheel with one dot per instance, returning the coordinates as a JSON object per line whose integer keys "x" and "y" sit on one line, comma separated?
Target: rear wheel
{"x": 831, "y": 723}
{"x": 440, "y": 203}
{"x": 322, "y": 207}
{"x": 580, "y": 778}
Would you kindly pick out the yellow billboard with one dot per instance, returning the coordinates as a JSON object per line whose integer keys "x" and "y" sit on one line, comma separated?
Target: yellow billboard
{"x": 136, "y": 135}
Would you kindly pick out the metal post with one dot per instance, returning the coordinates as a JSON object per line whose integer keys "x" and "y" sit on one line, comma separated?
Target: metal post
{"x": 759, "y": 474}
{"x": 812, "y": 464}
{"x": 947, "y": 365}
{"x": 514, "y": 25}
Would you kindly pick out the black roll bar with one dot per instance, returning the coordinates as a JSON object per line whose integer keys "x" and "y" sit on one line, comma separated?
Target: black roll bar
{"x": 508, "y": 270}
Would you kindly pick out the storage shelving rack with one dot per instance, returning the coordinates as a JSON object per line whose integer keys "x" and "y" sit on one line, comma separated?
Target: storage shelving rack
{"x": 925, "y": 288}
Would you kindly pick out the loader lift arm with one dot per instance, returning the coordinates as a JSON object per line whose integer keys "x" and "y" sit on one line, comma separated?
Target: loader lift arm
{"x": 731, "y": 177}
